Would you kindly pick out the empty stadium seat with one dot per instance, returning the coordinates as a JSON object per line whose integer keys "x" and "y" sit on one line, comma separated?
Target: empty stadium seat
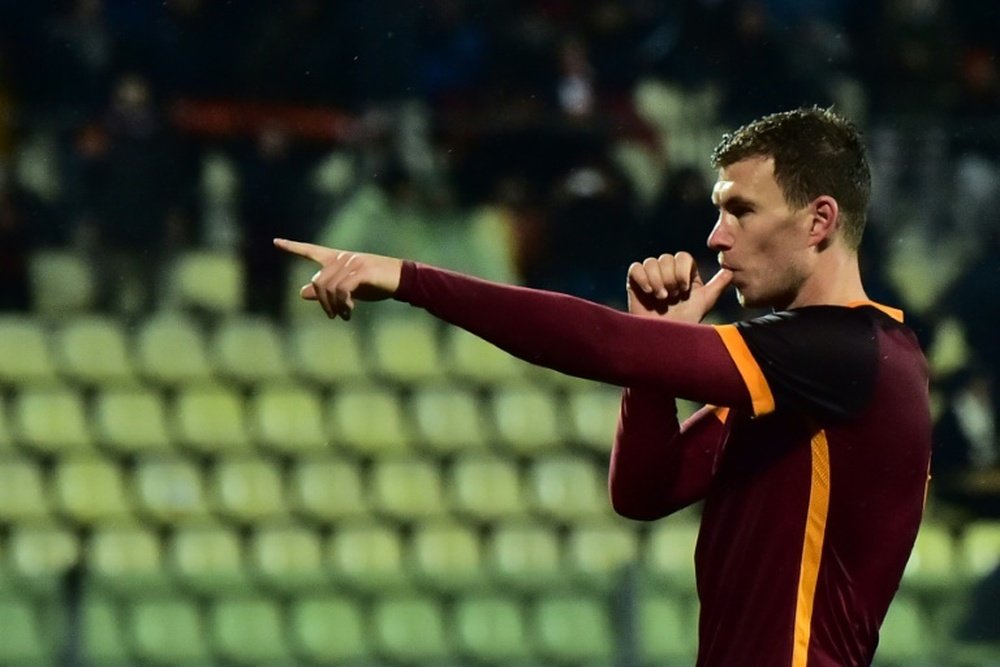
{"x": 210, "y": 420}
{"x": 170, "y": 350}
{"x": 491, "y": 629}
{"x": 24, "y": 639}
{"x": 405, "y": 349}
{"x": 62, "y": 283}
{"x": 287, "y": 559}
{"x": 472, "y": 359}
{"x": 669, "y": 553}
{"x": 525, "y": 556}
{"x": 932, "y": 562}
{"x": 527, "y": 419}
{"x": 248, "y": 490}
{"x": 169, "y": 490}
{"x": 25, "y": 358}
{"x": 325, "y": 353}
{"x": 573, "y": 628}
{"x": 568, "y": 488}
{"x": 126, "y": 560}
{"x": 410, "y": 628}
{"x": 288, "y": 421}
{"x": 207, "y": 558}
{"x": 667, "y": 634}
{"x": 206, "y": 281}
{"x": 248, "y": 630}
{"x": 366, "y": 556}
{"x": 35, "y": 428}
{"x": 103, "y": 640}
{"x": 168, "y": 630}
{"x": 980, "y": 545}
{"x": 597, "y": 553}
{"x": 369, "y": 420}
{"x": 131, "y": 421}
{"x": 40, "y": 554}
{"x": 448, "y": 419}
{"x": 92, "y": 350}
{"x": 90, "y": 489}
{"x": 328, "y": 630}
{"x": 22, "y": 491}
{"x": 485, "y": 488}
{"x": 446, "y": 556}
{"x": 406, "y": 489}
{"x": 327, "y": 490}
{"x": 593, "y": 415}
{"x": 905, "y": 637}
{"x": 249, "y": 350}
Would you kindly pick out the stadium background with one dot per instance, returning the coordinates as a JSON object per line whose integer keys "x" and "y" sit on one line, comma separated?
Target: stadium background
{"x": 196, "y": 468}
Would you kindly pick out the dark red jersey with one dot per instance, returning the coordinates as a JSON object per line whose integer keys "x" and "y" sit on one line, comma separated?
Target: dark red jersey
{"x": 813, "y": 469}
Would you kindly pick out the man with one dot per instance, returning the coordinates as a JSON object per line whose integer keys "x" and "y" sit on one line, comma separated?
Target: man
{"x": 812, "y": 453}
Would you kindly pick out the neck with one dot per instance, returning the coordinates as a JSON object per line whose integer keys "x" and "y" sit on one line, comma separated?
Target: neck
{"x": 834, "y": 281}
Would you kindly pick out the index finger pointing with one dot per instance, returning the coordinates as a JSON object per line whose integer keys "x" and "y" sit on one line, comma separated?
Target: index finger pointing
{"x": 316, "y": 253}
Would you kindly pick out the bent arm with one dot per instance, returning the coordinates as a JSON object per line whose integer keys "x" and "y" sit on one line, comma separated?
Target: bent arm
{"x": 581, "y": 338}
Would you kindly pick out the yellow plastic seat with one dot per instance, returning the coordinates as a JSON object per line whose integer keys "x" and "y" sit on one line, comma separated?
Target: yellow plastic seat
{"x": 524, "y": 555}
{"x": 103, "y": 639}
{"x": 573, "y": 628}
{"x": 248, "y": 490}
{"x": 596, "y": 553}
{"x": 327, "y": 490}
{"x": 406, "y": 489}
{"x": 169, "y": 490}
{"x": 448, "y": 419}
{"x": 25, "y": 640}
{"x": 410, "y": 628}
{"x": 567, "y": 489}
{"x": 485, "y": 488}
{"x": 40, "y": 554}
{"x": 25, "y": 358}
{"x": 207, "y": 558}
{"x": 905, "y": 635}
{"x": 367, "y": 557}
{"x": 287, "y": 559}
{"x": 131, "y": 421}
{"x": 210, "y": 421}
{"x": 667, "y": 635}
{"x": 288, "y": 421}
{"x": 89, "y": 490}
{"x": 932, "y": 563}
{"x": 369, "y": 421}
{"x": 168, "y": 630}
{"x": 92, "y": 350}
{"x": 249, "y": 350}
{"x": 207, "y": 281}
{"x": 491, "y": 629}
{"x": 170, "y": 350}
{"x": 669, "y": 553}
{"x": 527, "y": 419}
{"x": 62, "y": 283}
{"x": 248, "y": 630}
{"x": 325, "y": 353}
{"x": 472, "y": 359}
{"x": 405, "y": 349}
{"x": 328, "y": 629}
{"x": 593, "y": 415}
{"x": 446, "y": 556}
{"x": 980, "y": 546}
{"x": 22, "y": 491}
{"x": 35, "y": 428}
{"x": 126, "y": 560}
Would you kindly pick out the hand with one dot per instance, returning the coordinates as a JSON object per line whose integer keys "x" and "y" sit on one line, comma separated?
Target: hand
{"x": 669, "y": 286}
{"x": 345, "y": 276}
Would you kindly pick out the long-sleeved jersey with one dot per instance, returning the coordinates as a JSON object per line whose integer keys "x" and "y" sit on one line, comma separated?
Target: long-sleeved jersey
{"x": 812, "y": 455}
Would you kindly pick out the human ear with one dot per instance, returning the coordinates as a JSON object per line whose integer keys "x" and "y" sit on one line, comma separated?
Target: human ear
{"x": 825, "y": 220}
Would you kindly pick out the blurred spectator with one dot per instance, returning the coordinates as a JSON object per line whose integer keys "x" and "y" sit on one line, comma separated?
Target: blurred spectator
{"x": 133, "y": 199}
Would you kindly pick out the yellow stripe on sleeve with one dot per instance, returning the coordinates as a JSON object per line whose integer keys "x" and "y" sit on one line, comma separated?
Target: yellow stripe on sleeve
{"x": 760, "y": 392}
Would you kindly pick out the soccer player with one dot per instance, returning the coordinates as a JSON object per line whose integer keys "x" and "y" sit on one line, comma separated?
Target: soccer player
{"x": 812, "y": 452}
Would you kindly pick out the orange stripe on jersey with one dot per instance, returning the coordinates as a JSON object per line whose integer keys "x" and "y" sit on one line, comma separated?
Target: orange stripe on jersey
{"x": 753, "y": 378}
{"x": 812, "y": 547}
{"x": 894, "y": 313}
{"x": 721, "y": 412}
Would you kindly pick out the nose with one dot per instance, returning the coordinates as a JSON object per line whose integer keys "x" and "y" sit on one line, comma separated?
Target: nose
{"x": 720, "y": 238}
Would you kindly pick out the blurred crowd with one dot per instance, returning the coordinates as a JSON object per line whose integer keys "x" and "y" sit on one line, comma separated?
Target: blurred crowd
{"x": 546, "y": 142}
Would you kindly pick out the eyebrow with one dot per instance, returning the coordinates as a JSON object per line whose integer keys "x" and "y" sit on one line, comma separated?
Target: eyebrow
{"x": 735, "y": 201}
